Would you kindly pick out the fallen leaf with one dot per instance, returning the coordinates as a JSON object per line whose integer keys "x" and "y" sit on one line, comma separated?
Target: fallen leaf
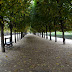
{"x": 57, "y": 63}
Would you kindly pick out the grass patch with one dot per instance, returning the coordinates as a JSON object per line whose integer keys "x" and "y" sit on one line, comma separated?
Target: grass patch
{"x": 68, "y": 34}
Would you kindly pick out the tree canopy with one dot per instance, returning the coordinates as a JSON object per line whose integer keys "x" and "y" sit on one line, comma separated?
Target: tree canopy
{"x": 37, "y": 13}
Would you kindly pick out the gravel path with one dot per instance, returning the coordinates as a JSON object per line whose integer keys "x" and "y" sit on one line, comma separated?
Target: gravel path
{"x": 35, "y": 54}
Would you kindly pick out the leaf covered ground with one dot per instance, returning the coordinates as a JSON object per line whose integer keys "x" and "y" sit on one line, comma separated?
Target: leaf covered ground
{"x": 35, "y": 54}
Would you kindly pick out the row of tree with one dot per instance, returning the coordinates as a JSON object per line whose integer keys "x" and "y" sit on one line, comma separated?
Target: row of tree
{"x": 40, "y": 15}
{"x": 14, "y": 14}
{"x": 52, "y": 15}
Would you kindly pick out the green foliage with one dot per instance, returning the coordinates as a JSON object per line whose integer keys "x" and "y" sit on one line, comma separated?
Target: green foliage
{"x": 38, "y": 14}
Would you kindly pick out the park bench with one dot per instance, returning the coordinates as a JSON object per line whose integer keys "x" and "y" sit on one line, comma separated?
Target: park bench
{"x": 8, "y": 44}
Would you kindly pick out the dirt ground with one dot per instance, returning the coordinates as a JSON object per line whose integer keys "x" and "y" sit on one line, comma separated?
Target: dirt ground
{"x": 35, "y": 54}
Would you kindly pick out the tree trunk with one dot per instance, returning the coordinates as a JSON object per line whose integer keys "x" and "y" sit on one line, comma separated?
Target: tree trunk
{"x": 63, "y": 38}
{"x": 55, "y": 32}
{"x": 42, "y": 34}
{"x": 2, "y": 37}
{"x": 55, "y": 36}
{"x": 50, "y": 34}
{"x": 46, "y": 33}
{"x": 50, "y": 31}
{"x": 11, "y": 35}
{"x": 21, "y": 35}
{"x": 15, "y": 36}
{"x": 62, "y": 24}
{"x": 62, "y": 27}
